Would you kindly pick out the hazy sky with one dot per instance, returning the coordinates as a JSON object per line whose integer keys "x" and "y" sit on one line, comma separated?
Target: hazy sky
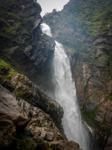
{"x": 49, "y": 5}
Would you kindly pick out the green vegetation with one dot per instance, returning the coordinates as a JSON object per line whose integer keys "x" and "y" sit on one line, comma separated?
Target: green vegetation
{"x": 12, "y": 80}
{"x": 101, "y": 20}
{"x": 110, "y": 97}
{"x": 23, "y": 92}
{"x": 25, "y": 144}
{"x": 90, "y": 117}
{"x": 6, "y": 69}
{"x": 11, "y": 30}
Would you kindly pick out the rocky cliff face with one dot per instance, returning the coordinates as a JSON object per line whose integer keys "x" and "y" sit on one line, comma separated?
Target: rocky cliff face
{"x": 85, "y": 28}
{"x": 27, "y": 48}
{"x": 23, "y": 126}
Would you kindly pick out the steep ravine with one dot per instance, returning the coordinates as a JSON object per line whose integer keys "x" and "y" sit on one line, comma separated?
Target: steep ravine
{"x": 29, "y": 120}
{"x": 85, "y": 29}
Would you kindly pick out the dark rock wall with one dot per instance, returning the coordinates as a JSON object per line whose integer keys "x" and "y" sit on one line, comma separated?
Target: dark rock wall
{"x": 22, "y": 42}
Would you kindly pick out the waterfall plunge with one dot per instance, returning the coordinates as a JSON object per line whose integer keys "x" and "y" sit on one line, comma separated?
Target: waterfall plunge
{"x": 65, "y": 94}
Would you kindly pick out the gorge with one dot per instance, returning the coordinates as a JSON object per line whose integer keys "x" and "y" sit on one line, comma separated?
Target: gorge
{"x": 56, "y": 76}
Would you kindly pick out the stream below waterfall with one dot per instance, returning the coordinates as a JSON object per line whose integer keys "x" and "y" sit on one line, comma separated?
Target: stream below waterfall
{"x": 65, "y": 95}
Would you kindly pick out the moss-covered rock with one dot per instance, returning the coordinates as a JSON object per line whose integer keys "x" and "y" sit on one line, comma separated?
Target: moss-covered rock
{"x": 25, "y": 144}
{"x": 23, "y": 88}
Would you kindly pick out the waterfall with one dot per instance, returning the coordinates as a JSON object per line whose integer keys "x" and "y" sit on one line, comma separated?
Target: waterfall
{"x": 65, "y": 95}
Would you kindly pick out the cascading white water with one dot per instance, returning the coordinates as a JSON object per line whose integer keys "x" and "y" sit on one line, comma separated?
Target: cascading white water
{"x": 65, "y": 94}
